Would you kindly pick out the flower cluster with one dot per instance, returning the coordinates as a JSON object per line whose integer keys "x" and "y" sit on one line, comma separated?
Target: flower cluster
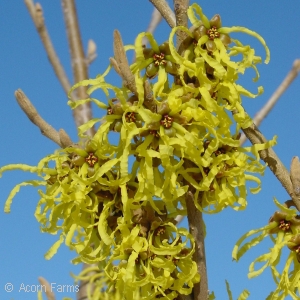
{"x": 284, "y": 231}
{"x": 178, "y": 129}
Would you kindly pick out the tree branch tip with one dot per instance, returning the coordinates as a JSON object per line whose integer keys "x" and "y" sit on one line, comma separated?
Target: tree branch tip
{"x": 22, "y": 99}
{"x": 42, "y": 279}
{"x": 29, "y": 2}
{"x": 117, "y": 33}
{"x": 48, "y": 291}
{"x": 119, "y": 47}
{"x": 91, "y": 51}
{"x": 91, "y": 47}
{"x": 296, "y": 63}
{"x": 18, "y": 93}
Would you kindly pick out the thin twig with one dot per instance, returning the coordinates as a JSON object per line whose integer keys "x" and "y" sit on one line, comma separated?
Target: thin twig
{"x": 163, "y": 7}
{"x": 155, "y": 20}
{"x": 258, "y": 118}
{"x": 185, "y": 297}
{"x": 36, "y": 14}
{"x": 60, "y": 138}
{"x": 295, "y": 177}
{"x": 273, "y": 162}
{"x": 82, "y": 113}
{"x": 180, "y": 8}
{"x": 196, "y": 226}
{"x": 46, "y": 288}
{"x": 83, "y": 286}
{"x": 195, "y": 220}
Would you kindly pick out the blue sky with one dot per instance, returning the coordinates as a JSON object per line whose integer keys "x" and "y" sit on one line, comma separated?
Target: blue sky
{"x": 24, "y": 65}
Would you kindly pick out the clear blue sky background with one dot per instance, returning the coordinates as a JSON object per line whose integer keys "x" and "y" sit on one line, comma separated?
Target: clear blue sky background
{"x": 24, "y": 64}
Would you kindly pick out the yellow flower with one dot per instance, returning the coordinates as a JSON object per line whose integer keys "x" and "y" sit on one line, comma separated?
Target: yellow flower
{"x": 285, "y": 225}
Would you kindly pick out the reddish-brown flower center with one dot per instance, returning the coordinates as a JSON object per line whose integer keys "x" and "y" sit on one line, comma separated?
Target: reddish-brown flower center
{"x": 109, "y": 111}
{"x": 154, "y": 132}
{"x": 160, "y": 231}
{"x": 130, "y": 117}
{"x": 284, "y": 225}
{"x": 213, "y": 33}
{"x": 91, "y": 159}
{"x": 159, "y": 59}
{"x": 166, "y": 121}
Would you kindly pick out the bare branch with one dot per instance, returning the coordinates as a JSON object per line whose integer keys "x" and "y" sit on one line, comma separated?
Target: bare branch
{"x": 273, "y": 162}
{"x": 180, "y": 8}
{"x": 83, "y": 286}
{"x": 91, "y": 52}
{"x": 295, "y": 177}
{"x": 47, "y": 130}
{"x": 65, "y": 140}
{"x": 185, "y": 297}
{"x": 36, "y": 13}
{"x": 155, "y": 20}
{"x": 82, "y": 113}
{"x": 48, "y": 290}
{"x": 165, "y": 10}
{"x": 122, "y": 62}
{"x": 258, "y": 118}
{"x": 196, "y": 225}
